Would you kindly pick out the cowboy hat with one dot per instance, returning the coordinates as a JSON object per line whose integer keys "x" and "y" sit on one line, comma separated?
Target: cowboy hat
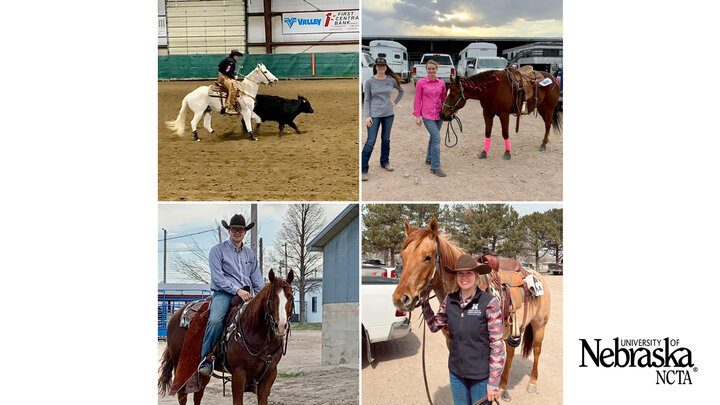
{"x": 237, "y": 221}
{"x": 466, "y": 263}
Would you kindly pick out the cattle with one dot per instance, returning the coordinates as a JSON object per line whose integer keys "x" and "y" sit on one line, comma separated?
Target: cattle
{"x": 281, "y": 110}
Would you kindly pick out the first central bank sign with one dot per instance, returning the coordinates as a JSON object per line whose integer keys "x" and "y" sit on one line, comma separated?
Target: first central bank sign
{"x": 318, "y": 22}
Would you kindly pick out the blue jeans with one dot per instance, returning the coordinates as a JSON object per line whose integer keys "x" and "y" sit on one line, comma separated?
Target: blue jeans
{"x": 218, "y": 309}
{"x": 433, "y": 150}
{"x": 372, "y": 136}
{"x": 466, "y": 391}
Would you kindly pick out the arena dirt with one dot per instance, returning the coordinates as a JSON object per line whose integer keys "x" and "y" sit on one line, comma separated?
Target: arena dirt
{"x": 530, "y": 175}
{"x": 319, "y": 164}
{"x": 304, "y": 381}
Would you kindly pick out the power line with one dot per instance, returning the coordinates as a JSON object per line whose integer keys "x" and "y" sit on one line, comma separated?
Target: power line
{"x": 190, "y": 234}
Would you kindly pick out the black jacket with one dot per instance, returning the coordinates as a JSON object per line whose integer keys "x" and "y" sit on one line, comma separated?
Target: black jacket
{"x": 227, "y": 67}
{"x": 469, "y": 337}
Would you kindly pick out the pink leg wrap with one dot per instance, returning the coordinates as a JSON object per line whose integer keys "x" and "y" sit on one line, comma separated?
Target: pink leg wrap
{"x": 507, "y": 144}
{"x": 487, "y": 144}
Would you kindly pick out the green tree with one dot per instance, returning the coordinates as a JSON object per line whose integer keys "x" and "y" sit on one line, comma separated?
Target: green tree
{"x": 540, "y": 228}
{"x": 555, "y": 242}
{"x": 384, "y": 228}
{"x": 419, "y": 215}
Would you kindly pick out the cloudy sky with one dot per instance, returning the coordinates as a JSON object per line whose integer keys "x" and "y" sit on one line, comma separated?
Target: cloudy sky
{"x": 480, "y": 18}
{"x": 203, "y": 219}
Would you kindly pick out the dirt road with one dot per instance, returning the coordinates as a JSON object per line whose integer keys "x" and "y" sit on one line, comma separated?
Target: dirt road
{"x": 301, "y": 378}
{"x": 320, "y": 164}
{"x": 530, "y": 175}
{"x": 396, "y": 376}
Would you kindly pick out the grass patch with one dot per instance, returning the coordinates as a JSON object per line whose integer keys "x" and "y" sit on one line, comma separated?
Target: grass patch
{"x": 307, "y": 326}
{"x": 288, "y": 375}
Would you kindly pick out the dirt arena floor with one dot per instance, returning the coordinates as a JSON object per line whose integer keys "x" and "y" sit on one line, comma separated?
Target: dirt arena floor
{"x": 320, "y": 164}
{"x": 301, "y": 379}
{"x": 530, "y": 175}
{"x": 396, "y": 376}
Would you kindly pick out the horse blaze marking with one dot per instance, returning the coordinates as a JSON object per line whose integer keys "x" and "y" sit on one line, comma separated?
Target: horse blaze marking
{"x": 281, "y": 309}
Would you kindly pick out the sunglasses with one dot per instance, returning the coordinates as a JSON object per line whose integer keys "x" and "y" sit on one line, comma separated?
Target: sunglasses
{"x": 236, "y": 230}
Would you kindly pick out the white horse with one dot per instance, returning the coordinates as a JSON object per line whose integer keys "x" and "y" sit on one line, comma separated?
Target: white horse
{"x": 200, "y": 102}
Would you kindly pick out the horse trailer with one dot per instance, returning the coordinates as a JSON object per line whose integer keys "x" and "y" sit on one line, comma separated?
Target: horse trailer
{"x": 395, "y": 54}
{"x": 476, "y": 56}
{"x": 544, "y": 56}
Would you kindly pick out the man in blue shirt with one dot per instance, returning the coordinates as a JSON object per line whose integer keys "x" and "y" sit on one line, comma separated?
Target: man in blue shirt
{"x": 234, "y": 270}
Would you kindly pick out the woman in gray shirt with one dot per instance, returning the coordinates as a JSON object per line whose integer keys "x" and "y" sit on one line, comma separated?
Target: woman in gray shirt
{"x": 379, "y": 111}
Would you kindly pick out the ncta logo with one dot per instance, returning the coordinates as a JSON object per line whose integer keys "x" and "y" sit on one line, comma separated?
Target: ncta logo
{"x": 673, "y": 361}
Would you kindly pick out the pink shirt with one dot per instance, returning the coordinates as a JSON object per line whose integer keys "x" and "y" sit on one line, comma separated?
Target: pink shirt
{"x": 429, "y": 98}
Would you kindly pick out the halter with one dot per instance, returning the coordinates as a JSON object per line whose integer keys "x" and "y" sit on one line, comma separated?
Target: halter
{"x": 266, "y": 77}
{"x": 462, "y": 97}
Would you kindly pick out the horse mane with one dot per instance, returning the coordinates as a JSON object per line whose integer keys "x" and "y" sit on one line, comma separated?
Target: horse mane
{"x": 481, "y": 79}
{"x": 444, "y": 244}
{"x": 254, "y": 313}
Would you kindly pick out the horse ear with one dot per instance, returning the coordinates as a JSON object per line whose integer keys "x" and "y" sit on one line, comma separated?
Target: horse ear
{"x": 408, "y": 228}
{"x": 457, "y": 80}
{"x": 433, "y": 227}
{"x": 290, "y": 277}
{"x": 271, "y": 276}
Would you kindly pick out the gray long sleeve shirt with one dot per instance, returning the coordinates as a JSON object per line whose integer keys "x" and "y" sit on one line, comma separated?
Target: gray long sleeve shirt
{"x": 232, "y": 269}
{"x": 377, "y": 96}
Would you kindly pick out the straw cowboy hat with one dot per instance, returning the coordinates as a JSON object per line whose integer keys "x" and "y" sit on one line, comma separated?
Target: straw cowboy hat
{"x": 238, "y": 221}
{"x": 466, "y": 263}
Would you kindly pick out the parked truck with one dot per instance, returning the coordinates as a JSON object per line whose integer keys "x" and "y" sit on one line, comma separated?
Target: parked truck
{"x": 380, "y": 320}
{"x": 446, "y": 68}
{"x": 395, "y": 54}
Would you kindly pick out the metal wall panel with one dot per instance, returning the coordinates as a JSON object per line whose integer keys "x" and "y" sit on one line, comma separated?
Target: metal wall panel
{"x": 205, "y": 26}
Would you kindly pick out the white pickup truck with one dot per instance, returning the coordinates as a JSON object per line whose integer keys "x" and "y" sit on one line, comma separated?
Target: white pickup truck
{"x": 380, "y": 320}
{"x": 446, "y": 68}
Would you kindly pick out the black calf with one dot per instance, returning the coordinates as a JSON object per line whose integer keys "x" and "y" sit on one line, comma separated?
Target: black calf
{"x": 281, "y": 110}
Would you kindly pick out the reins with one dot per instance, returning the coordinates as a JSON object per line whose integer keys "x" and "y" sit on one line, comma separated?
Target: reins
{"x": 426, "y": 292}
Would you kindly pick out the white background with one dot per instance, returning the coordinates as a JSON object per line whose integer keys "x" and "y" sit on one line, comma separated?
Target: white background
{"x": 79, "y": 198}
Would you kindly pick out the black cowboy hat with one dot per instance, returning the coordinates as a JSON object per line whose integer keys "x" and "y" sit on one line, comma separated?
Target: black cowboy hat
{"x": 238, "y": 221}
{"x": 235, "y": 52}
{"x": 380, "y": 61}
{"x": 466, "y": 263}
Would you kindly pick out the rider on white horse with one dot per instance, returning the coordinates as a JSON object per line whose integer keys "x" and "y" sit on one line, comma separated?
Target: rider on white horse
{"x": 226, "y": 77}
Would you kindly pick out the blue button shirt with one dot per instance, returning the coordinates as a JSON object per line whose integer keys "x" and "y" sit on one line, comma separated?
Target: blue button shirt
{"x": 232, "y": 269}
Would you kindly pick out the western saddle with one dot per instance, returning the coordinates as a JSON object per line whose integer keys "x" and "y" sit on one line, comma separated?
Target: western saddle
{"x": 507, "y": 282}
{"x": 195, "y": 318}
{"x": 524, "y": 82}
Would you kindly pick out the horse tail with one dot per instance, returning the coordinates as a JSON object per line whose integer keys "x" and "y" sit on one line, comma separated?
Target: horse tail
{"x": 556, "y": 119}
{"x": 166, "y": 369}
{"x": 178, "y": 126}
{"x": 527, "y": 341}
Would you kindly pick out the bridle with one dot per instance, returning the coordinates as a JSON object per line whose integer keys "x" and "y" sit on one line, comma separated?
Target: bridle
{"x": 462, "y": 97}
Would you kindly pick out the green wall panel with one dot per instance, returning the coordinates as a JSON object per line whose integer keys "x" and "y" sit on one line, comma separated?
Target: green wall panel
{"x": 283, "y": 66}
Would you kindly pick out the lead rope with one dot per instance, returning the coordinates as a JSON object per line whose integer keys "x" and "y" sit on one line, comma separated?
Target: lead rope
{"x": 447, "y": 131}
{"x": 422, "y": 317}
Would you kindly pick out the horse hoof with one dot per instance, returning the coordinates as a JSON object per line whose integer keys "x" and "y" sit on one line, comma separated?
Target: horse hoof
{"x": 506, "y": 156}
{"x": 482, "y": 155}
{"x": 532, "y": 388}
{"x": 542, "y": 149}
{"x": 505, "y": 396}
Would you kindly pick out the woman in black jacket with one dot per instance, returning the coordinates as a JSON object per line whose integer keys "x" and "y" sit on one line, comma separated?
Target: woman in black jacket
{"x": 474, "y": 319}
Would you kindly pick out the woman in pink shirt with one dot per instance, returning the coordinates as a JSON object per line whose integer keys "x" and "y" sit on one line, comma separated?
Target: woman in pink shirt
{"x": 429, "y": 97}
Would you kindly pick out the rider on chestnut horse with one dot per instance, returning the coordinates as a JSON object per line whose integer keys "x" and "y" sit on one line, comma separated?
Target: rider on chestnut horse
{"x": 233, "y": 266}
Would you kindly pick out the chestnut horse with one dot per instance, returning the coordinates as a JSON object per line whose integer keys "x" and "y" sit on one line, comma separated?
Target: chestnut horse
{"x": 252, "y": 352}
{"x": 495, "y": 92}
{"x": 424, "y": 253}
